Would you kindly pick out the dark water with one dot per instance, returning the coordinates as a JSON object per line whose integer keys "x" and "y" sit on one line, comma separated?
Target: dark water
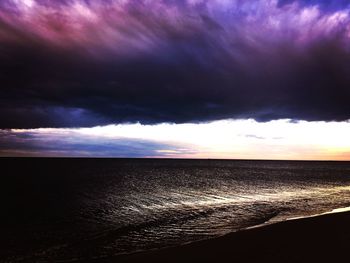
{"x": 57, "y": 210}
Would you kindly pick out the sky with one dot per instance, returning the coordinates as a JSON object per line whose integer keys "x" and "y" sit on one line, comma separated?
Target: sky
{"x": 241, "y": 79}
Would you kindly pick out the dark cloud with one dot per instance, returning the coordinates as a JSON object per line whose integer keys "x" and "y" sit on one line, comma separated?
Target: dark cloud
{"x": 203, "y": 68}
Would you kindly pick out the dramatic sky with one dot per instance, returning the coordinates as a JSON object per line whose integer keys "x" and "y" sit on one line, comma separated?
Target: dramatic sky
{"x": 175, "y": 78}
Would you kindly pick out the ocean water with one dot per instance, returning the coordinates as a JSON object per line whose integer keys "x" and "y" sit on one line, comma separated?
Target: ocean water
{"x": 57, "y": 210}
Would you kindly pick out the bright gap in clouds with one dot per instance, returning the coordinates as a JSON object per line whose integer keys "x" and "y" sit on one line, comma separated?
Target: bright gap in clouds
{"x": 236, "y": 139}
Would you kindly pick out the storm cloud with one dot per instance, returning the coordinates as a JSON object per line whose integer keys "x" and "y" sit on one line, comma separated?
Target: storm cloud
{"x": 77, "y": 63}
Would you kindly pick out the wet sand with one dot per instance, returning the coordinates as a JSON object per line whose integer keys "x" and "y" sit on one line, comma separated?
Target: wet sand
{"x": 324, "y": 238}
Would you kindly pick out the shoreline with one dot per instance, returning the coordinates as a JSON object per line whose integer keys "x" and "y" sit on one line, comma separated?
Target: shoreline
{"x": 269, "y": 222}
{"x": 310, "y": 238}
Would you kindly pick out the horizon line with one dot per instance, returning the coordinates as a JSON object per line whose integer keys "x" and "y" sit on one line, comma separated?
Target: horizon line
{"x": 168, "y": 158}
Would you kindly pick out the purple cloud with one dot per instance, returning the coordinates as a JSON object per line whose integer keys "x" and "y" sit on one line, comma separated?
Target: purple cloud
{"x": 172, "y": 61}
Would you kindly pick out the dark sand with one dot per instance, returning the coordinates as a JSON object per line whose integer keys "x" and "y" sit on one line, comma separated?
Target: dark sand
{"x": 324, "y": 238}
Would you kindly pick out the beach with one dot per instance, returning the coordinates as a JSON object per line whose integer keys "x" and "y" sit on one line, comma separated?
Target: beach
{"x": 323, "y": 238}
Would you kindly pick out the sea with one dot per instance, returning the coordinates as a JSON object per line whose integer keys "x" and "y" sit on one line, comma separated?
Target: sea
{"x": 76, "y": 210}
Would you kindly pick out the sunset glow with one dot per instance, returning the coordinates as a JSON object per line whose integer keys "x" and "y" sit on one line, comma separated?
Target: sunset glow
{"x": 233, "y": 139}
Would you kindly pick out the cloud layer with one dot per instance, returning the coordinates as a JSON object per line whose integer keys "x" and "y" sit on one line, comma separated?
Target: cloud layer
{"x": 75, "y": 63}
{"x": 72, "y": 143}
